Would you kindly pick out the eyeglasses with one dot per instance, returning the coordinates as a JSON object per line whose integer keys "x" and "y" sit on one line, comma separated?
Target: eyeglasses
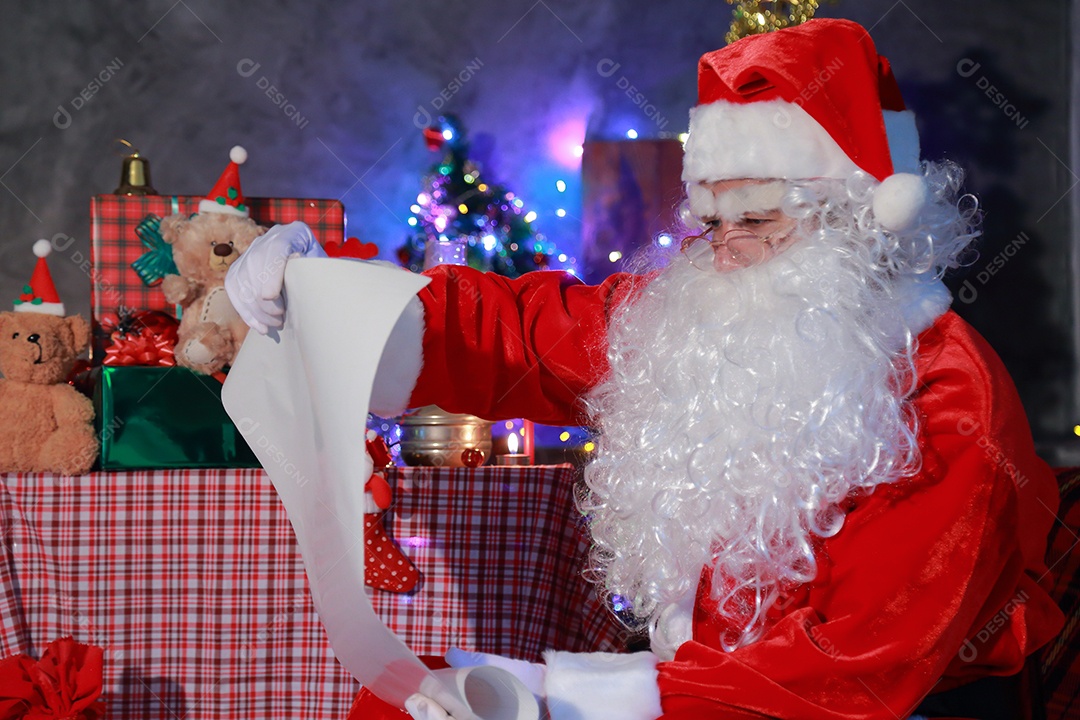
{"x": 744, "y": 246}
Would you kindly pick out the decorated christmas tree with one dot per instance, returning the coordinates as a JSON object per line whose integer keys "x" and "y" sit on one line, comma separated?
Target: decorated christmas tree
{"x": 457, "y": 201}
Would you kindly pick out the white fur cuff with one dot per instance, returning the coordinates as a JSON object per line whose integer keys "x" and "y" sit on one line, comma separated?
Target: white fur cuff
{"x": 922, "y": 301}
{"x": 602, "y": 686}
{"x": 399, "y": 366}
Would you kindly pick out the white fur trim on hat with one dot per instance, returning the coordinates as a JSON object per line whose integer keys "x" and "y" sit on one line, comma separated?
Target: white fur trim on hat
{"x": 399, "y": 366}
{"x": 212, "y": 206}
{"x": 43, "y": 308}
{"x": 771, "y": 139}
{"x": 602, "y": 686}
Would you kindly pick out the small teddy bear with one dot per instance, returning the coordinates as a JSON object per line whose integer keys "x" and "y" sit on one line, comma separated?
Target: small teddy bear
{"x": 45, "y": 424}
{"x": 204, "y": 245}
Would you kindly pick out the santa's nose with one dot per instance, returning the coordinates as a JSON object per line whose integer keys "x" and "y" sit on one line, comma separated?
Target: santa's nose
{"x": 223, "y": 250}
{"x": 33, "y": 338}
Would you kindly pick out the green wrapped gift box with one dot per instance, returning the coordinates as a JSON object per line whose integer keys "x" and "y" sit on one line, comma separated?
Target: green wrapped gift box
{"x": 164, "y": 417}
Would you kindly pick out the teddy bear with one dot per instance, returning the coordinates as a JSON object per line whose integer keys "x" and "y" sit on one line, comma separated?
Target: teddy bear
{"x": 45, "y": 424}
{"x": 204, "y": 246}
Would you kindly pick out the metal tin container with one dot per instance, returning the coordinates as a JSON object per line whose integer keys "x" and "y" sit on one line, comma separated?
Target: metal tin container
{"x": 430, "y": 436}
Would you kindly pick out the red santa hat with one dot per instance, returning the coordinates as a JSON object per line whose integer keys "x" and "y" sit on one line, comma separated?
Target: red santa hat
{"x": 226, "y": 196}
{"x": 812, "y": 101}
{"x": 40, "y": 294}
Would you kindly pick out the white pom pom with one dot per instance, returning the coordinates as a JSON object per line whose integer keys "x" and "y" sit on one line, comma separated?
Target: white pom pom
{"x": 42, "y": 248}
{"x": 899, "y": 200}
{"x": 238, "y": 155}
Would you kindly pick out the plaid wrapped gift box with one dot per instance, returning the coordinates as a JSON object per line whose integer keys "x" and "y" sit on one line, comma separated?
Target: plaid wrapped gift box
{"x": 193, "y": 584}
{"x": 114, "y": 245}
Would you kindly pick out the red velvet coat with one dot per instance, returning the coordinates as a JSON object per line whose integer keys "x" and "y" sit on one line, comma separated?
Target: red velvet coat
{"x": 932, "y": 582}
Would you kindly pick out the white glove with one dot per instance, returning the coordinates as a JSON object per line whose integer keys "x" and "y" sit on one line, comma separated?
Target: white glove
{"x": 421, "y": 707}
{"x": 255, "y": 280}
{"x": 570, "y": 686}
{"x": 531, "y": 675}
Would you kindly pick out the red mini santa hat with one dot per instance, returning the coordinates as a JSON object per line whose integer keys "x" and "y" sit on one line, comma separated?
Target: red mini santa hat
{"x": 812, "y": 101}
{"x": 40, "y": 295}
{"x": 226, "y": 196}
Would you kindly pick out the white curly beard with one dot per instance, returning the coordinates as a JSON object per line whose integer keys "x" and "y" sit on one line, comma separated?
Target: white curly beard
{"x": 741, "y": 408}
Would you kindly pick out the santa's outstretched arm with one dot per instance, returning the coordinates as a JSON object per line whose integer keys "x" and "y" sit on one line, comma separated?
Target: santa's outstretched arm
{"x": 471, "y": 342}
{"x": 497, "y": 347}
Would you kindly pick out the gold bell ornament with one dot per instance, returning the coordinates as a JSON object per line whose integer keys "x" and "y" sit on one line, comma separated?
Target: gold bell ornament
{"x": 135, "y": 174}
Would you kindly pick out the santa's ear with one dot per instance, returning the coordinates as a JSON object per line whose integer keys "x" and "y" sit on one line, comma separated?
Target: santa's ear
{"x": 80, "y": 332}
{"x": 171, "y": 225}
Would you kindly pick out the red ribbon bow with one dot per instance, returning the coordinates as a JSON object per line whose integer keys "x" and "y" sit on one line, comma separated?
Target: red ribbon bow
{"x": 142, "y": 338}
{"x": 65, "y": 684}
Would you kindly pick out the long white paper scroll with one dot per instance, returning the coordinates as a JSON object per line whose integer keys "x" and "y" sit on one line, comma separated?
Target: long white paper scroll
{"x": 300, "y": 398}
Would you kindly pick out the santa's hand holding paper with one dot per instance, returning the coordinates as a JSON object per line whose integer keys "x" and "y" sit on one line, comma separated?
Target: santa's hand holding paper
{"x": 255, "y": 280}
{"x": 791, "y": 487}
{"x": 569, "y": 686}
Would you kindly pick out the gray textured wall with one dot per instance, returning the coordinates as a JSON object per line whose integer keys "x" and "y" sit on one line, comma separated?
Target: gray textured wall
{"x": 358, "y": 72}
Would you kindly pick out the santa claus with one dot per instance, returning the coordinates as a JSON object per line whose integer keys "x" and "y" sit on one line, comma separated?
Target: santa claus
{"x": 814, "y": 484}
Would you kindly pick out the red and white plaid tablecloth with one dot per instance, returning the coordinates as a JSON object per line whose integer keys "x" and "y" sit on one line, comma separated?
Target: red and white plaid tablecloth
{"x": 192, "y": 582}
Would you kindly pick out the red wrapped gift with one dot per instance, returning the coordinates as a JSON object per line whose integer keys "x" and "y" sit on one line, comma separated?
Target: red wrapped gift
{"x": 117, "y": 242}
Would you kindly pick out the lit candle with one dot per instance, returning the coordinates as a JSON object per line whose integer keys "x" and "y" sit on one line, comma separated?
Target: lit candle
{"x": 513, "y": 457}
